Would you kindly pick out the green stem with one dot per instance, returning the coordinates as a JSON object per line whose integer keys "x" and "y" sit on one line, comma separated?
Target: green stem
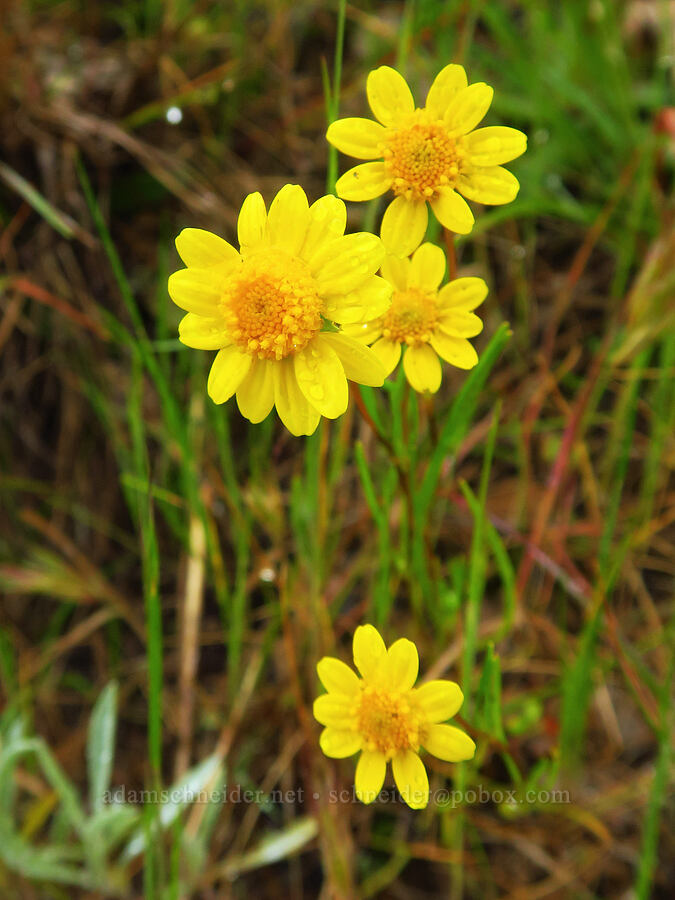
{"x": 333, "y": 105}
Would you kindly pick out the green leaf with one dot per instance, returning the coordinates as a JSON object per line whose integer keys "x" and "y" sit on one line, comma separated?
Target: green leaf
{"x": 58, "y": 220}
{"x": 101, "y": 745}
{"x": 111, "y": 824}
{"x": 275, "y": 847}
{"x": 176, "y": 798}
{"x": 489, "y": 695}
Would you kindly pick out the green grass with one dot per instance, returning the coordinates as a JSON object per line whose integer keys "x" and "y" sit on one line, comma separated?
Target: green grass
{"x": 172, "y": 573}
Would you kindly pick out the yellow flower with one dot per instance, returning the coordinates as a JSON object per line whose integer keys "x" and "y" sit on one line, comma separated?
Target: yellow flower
{"x": 382, "y": 715}
{"x": 428, "y": 320}
{"x": 268, "y": 307}
{"x": 426, "y": 155}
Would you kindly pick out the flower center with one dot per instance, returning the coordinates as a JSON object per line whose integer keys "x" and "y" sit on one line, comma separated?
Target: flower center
{"x": 271, "y": 305}
{"x": 411, "y": 318}
{"x": 421, "y": 158}
{"x": 386, "y": 721}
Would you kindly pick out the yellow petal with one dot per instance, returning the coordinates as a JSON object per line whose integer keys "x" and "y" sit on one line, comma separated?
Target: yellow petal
{"x": 327, "y": 221}
{"x": 396, "y": 270}
{"x": 364, "y": 182}
{"x": 411, "y": 778}
{"x": 368, "y": 302}
{"x": 445, "y": 86}
{"x": 463, "y": 294}
{"x": 288, "y": 219}
{"x": 227, "y": 372}
{"x": 494, "y": 145}
{"x": 388, "y": 352}
{"x": 360, "y": 138}
{"x": 467, "y": 108}
{"x": 455, "y": 350}
{"x": 340, "y": 744}
{"x": 195, "y": 290}
{"x": 452, "y": 211}
{"x": 335, "y": 711}
{"x": 255, "y": 395}
{"x": 337, "y": 676}
{"x": 401, "y": 668}
{"x": 252, "y": 223}
{"x": 449, "y": 743}
{"x": 389, "y": 95}
{"x": 201, "y": 333}
{"x": 201, "y": 249}
{"x": 364, "y": 333}
{"x": 491, "y": 184}
{"x": 369, "y": 650}
{"x": 439, "y": 700}
{"x": 403, "y": 225}
{"x": 422, "y": 368}
{"x": 427, "y": 267}
{"x": 458, "y": 323}
{"x": 294, "y": 410}
{"x": 370, "y": 771}
{"x": 345, "y": 264}
{"x": 360, "y": 364}
{"x": 321, "y": 378}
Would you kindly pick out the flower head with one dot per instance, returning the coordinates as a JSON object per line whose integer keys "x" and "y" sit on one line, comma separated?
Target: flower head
{"x": 384, "y": 717}
{"x": 269, "y": 307}
{"x": 429, "y": 321}
{"x": 428, "y": 155}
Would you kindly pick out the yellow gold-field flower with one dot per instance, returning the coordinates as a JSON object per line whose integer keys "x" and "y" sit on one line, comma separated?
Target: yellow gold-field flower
{"x": 269, "y": 308}
{"x": 428, "y": 155}
{"x": 430, "y": 320}
{"x": 385, "y": 718}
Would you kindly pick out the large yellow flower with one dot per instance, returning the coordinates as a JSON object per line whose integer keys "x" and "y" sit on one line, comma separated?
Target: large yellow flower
{"x": 268, "y": 307}
{"x": 427, "y": 320}
{"x": 425, "y": 155}
{"x": 382, "y": 715}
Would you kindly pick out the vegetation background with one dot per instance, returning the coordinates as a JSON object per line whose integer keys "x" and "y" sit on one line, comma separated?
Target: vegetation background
{"x": 171, "y": 574}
